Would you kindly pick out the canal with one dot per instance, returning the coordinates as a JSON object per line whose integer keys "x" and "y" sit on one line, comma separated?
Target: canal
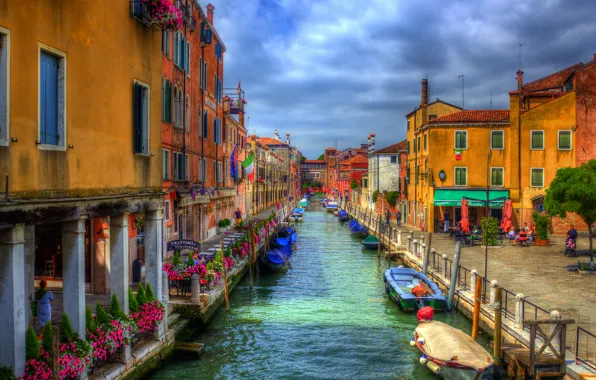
{"x": 327, "y": 317}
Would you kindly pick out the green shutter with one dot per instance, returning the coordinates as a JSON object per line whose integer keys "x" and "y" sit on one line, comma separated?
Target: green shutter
{"x": 537, "y": 140}
{"x": 497, "y": 140}
{"x": 565, "y": 140}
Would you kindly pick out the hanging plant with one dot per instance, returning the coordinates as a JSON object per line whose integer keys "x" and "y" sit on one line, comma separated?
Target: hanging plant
{"x": 163, "y": 14}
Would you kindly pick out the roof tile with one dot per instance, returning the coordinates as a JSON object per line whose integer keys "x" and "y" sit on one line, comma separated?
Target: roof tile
{"x": 473, "y": 116}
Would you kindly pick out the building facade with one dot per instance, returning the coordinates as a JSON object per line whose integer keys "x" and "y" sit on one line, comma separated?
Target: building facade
{"x": 313, "y": 171}
{"x": 82, "y": 181}
{"x": 384, "y": 168}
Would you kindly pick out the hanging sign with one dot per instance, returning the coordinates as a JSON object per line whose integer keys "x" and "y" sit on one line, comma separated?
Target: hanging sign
{"x": 179, "y": 245}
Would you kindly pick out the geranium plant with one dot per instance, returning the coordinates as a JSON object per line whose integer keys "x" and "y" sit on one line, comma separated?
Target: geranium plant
{"x": 163, "y": 14}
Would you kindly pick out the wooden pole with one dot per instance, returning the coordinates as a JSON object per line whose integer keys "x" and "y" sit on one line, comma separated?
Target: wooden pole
{"x": 250, "y": 245}
{"x": 56, "y": 353}
{"x": 252, "y": 242}
{"x": 266, "y": 238}
{"x": 379, "y": 229}
{"x": 476, "y": 316}
{"x": 225, "y": 276}
{"x": 498, "y": 327}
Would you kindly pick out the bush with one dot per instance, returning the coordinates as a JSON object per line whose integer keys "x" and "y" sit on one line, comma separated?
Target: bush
{"x": 141, "y": 300}
{"x": 228, "y": 222}
{"x": 176, "y": 258}
{"x": 391, "y": 198}
{"x": 375, "y": 196}
{"x": 132, "y": 301}
{"x": 542, "y": 223}
{"x": 221, "y": 223}
{"x": 48, "y": 337}
{"x": 31, "y": 344}
{"x": 6, "y": 373}
{"x": 66, "y": 332}
{"x": 89, "y": 321}
{"x": 490, "y": 230}
{"x": 149, "y": 296}
{"x": 115, "y": 309}
{"x": 101, "y": 316}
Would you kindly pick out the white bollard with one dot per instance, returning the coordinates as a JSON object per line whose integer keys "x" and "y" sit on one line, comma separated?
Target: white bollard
{"x": 415, "y": 250}
{"x": 409, "y": 244}
{"x": 445, "y": 269}
{"x": 555, "y": 315}
{"x": 473, "y": 279}
{"x": 421, "y": 249}
{"x": 195, "y": 288}
{"x": 399, "y": 237}
{"x": 493, "y": 292}
{"x": 519, "y": 311}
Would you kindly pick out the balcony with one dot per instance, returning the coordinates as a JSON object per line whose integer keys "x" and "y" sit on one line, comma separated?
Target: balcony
{"x": 237, "y": 100}
{"x": 186, "y": 12}
{"x": 140, "y": 12}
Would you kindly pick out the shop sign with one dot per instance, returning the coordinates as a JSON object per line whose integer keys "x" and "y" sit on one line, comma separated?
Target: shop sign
{"x": 179, "y": 245}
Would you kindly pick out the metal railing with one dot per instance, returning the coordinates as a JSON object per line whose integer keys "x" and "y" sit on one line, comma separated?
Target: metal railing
{"x": 583, "y": 354}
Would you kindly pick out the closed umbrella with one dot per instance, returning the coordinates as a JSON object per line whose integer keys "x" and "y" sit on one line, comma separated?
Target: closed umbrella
{"x": 506, "y": 220}
{"x": 465, "y": 223}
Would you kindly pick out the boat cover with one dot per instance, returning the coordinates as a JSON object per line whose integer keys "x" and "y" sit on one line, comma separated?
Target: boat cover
{"x": 303, "y": 202}
{"x": 445, "y": 343}
{"x": 355, "y": 226}
{"x": 370, "y": 239}
{"x": 298, "y": 210}
{"x": 342, "y": 214}
{"x": 276, "y": 256}
{"x": 293, "y": 238}
{"x": 282, "y": 241}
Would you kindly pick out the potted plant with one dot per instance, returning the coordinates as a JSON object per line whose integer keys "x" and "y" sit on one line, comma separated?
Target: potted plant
{"x": 542, "y": 223}
{"x": 221, "y": 226}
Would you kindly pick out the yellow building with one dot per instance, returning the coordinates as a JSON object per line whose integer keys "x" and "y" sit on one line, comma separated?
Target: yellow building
{"x": 80, "y": 131}
{"x": 418, "y": 148}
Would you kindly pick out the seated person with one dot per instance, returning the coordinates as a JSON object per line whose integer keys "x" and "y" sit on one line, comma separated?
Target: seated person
{"x": 512, "y": 235}
{"x": 419, "y": 291}
{"x": 474, "y": 235}
{"x": 523, "y": 236}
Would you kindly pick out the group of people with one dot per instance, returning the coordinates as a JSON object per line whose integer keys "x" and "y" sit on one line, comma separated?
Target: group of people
{"x": 524, "y": 235}
{"x": 388, "y": 218}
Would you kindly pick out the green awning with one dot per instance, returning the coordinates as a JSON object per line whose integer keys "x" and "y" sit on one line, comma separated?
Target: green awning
{"x": 476, "y": 198}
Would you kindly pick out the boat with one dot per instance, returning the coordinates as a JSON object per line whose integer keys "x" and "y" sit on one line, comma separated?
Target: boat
{"x": 303, "y": 203}
{"x": 288, "y": 232}
{"x": 331, "y": 206}
{"x": 343, "y": 216}
{"x": 335, "y": 213}
{"x": 451, "y": 354}
{"x": 297, "y": 215}
{"x": 277, "y": 258}
{"x": 370, "y": 242}
{"x": 399, "y": 283}
{"x": 357, "y": 229}
{"x": 324, "y": 202}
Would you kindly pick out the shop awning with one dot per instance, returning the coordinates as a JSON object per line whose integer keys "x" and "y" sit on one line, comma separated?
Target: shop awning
{"x": 476, "y": 198}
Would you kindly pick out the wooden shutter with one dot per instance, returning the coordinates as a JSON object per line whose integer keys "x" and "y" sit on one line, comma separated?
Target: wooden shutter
{"x": 137, "y": 117}
{"x": 188, "y": 57}
{"x": 49, "y": 99}
{"x": 215, "y": 130}
{"x": 205, "y": 125}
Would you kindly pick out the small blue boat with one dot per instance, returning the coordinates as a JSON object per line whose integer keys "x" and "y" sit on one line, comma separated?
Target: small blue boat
{"x": 343, "y": 215}
{"x": 357, "y": 229}
{"x": 288, "y": 233}
{"x": 277, "y": 258}
{"x": 399, "y": 283}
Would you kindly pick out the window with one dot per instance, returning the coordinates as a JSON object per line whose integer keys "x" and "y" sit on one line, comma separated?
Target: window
{"x": 537, "y": 177}
{"x": 564, "y": 140}
{"x": 187, "y": 120}
{"x": 461, "y": 176}
{"x": 176, "y": 47}
{"x": 205, "y": 125}
{"x": 176, "y": 106}
{"x": 52, "y": 98}
{"x": 418, "y": 145}
{"x": 497, "y": 140}
{"x": 220, "y": 93}
{"x": 203, "y": 170}
{"x": 425, "y": 141}
{"x": 165, "y": 164}
{"x": 218, "y": 170}
{"x": 414, "y": 144}
{"x": 179, "y": 170}
{"x": 200, "y": 72}
{"x": 165, "y": 43}
{"x": 215, "y": 86}
{"x": 205, "y": 71}
{"x": 408, "y": 147}
{"x": 432, "y": 117}
{"x": 218, "y": 51}
{"x": 4, "y": 86}
{"x": 497, "y": 177}
{"x": 141, "y": 118}
{"x": 167, "y": 211}
{"x": 393, "y": 159}
{"x": 187, "y": 62}
{"x": 187, "y": 168}
{"x": 461, "y": 139}
{"x": 536, "y": 140}
{"x": 180, "y": 104}
{"x": 408, "y": 125}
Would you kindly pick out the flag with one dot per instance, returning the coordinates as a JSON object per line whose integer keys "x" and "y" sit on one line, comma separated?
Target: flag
{"x": 458, "y": 155}
{"x": 233, "y": 163}
{"x": 249, "y": 167}
{"x": 239, "y": 86}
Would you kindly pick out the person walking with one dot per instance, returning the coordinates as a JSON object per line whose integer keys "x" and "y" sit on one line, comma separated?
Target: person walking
{"x": 387, "y": 218}
{"x": 398, "y": 218}
{"x": 446, "y": 221}
{"x": 238, "y": 215}
{"x": 43, "y": 307}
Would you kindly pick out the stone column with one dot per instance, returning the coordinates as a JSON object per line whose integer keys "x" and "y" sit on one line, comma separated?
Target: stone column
{"x": 119, "y": 259}
{"x": 494, "y": 284}
{"x": 410, "y": 244}
{"x": 73, "y": 267}
{"x": 29, "y": 269}
{"x": 555, "y": 315}
{"x": 415, "y": 249}
{"x": 153, "y": 256}
{"x": 519, "y": 311}
{"x": 13, "y": 303}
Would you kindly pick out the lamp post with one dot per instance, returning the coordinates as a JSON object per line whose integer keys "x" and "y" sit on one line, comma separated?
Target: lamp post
{"x": 486, "y": 216}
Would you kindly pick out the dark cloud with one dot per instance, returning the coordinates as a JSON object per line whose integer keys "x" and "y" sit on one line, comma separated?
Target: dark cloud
{"x": 336, "y": 69}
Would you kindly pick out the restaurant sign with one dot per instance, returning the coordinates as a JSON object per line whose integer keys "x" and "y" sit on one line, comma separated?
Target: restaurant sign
{"x": 179, "y": 245}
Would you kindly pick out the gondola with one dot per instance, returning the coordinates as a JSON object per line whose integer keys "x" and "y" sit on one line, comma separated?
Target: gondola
{"x": 343, "y": 216}
{"x": 332, "y": 206}
{"x": 400, "y": 284}
{"x": 277, "y": 258}
{"x": 357, "y": 229}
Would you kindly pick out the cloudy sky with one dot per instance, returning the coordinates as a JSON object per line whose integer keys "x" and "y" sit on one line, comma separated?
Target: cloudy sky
{"x": 340, "y": 69}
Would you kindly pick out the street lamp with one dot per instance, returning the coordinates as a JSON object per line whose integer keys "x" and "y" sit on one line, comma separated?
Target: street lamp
{"x": 486, "y": 223}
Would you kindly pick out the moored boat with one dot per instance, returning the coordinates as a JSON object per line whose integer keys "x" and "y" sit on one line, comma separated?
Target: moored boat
{"x": 343, "y": 215}
{"x": 332, "y": 206}
{"x": 357, "y": 229}
{"x": 303, "y": 203}
{"x": 451, "y": 354}
{"x": 297, "y": 215}
{"x": 277, "y": 258}
{"x": 412, "y": 290}
{"x": 371, "y": 242}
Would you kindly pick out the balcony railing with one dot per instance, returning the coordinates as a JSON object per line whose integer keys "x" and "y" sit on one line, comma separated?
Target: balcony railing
{"x": 140, "y": 12}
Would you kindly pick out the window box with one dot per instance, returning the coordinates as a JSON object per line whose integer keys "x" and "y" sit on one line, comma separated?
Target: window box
{"x": 157, "y": 14}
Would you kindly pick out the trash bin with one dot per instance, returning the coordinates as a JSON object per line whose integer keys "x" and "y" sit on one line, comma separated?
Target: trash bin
{"x": 137, "y": 270}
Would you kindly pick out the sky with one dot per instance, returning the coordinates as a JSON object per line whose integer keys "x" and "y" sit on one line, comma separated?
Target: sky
{"x": 329, "y": 72}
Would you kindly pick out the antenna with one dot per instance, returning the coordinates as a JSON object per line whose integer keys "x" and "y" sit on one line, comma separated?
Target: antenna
{"x": 462, "y": 90}
{"x": 491, "y": 100}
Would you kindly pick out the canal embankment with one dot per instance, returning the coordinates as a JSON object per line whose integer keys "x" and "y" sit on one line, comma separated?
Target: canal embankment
{"x": 517, "y": 311}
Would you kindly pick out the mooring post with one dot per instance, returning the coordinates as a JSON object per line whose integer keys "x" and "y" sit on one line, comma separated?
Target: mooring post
{"x": 454, "y": 272}
{"x": 410, "y": 244}
{"x": 476, "y": 316}
{"x": 399, "y": 237}
{"x": 195, "y": 288}
{"x": 518, "y": 323}
{"x": 494, "y": 285}
{"x": 421, "y": 249}
{"x": 498, "y": 326}
{"x": 225, "y": 276}
{"x": 473, "y": 278}
{"x": 425, "y": 252}
{"x": 250, "y": 243}
{"x": 555, "y": 315}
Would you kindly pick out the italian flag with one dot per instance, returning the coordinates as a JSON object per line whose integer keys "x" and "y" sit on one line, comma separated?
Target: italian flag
{"x": 249, "y": 167}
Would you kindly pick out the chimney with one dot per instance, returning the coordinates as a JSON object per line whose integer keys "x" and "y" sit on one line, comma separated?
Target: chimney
{"x": 210, "y": 9}
{"x": 424, "y": 94}
{"x": 372, "y": 143}
{"x": 288, "y": 138}
{"x": 276, "y": 134}
{"x": 368, "y": 144}
{"x": 241, "y": 118}
{"x": 520, "y": 75}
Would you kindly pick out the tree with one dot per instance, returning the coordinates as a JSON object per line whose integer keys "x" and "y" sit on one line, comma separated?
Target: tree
{"x": 321, "y": 157}
{"x": 574, "y": 190}
{"x": 354, "y": 184}
{"x": 31, "y": 344}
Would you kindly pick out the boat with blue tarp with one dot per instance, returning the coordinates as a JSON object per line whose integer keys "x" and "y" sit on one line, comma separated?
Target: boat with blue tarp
{"x": 277, "y": 258}
{"x": 412, "y": 290}
{"x": 332, "y": 206}
{"x": 297, "y": 215}
{"x": 357, "y": 229}
{"x": 343, "y": 215}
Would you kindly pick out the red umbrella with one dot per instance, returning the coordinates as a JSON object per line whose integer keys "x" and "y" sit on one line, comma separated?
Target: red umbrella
{"x": 465, "y": 223}
{"x": 506, "y": 219}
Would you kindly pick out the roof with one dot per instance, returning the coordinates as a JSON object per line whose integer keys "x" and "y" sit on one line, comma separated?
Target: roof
{"x": 203, "y": 18}
{"x": 395, "y": 148}
{"x": 270, "y": 141}
{"x": 472, "y": 116}
{"x": 554, "y": 80}
{"x": 431, "y": 103}
{"x": 358, "y": 160}
{"x": 314, "y": 161}
{"x": 331, "y": 149}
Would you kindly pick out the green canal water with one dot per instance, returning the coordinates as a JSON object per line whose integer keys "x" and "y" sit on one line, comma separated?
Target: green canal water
{"x": 327, "y": 317}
